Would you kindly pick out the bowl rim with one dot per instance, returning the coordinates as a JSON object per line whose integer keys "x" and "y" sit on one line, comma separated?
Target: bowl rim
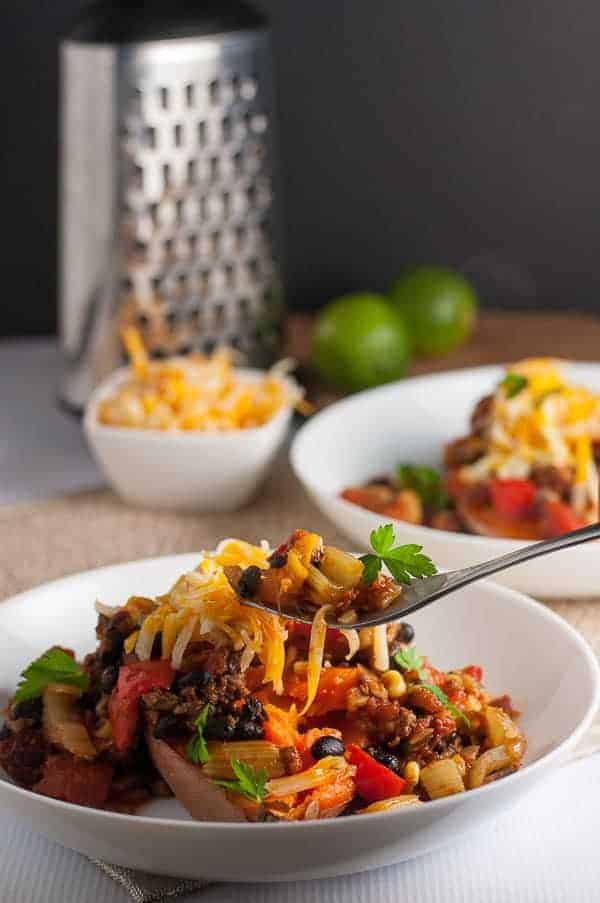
{"x": 8, "y": 788}
{"x": 93, "y": 427}
{"x": 421, "y": 531}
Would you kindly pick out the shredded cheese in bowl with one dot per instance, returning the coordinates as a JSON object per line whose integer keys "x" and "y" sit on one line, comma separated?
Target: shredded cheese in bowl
{"x": 194, "y": 393}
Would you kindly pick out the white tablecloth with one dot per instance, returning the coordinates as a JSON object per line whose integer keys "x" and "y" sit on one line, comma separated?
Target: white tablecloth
{"x": 545, "y": 850}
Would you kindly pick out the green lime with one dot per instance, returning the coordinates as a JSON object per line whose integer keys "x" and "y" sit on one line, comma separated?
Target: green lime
{"x": 439, "y": 307}
{"x": 360, "y": 341}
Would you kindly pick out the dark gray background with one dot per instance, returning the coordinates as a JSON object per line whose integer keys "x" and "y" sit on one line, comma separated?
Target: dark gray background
{"x": 459, "y": 131}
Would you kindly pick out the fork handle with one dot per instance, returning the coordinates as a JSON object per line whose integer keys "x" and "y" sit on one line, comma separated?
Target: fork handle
{"x": 535, "y": 550}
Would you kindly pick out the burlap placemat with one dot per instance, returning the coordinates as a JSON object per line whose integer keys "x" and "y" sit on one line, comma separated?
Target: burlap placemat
{"x": 46, "y": 540}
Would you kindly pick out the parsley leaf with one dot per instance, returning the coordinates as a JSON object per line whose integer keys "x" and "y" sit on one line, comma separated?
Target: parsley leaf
{"x": 403, "y": 562}
{"x": 197, "y": 750}
{"x": 409, "y": 660}
{"x": 54, "y": 666}
{"x": 426, "y": 482}
{"x": 250, "y": 783}
{"x": 439, "y": 694}
{"x": 513, "y": 383}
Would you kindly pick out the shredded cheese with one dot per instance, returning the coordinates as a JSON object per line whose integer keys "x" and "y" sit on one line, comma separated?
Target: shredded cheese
{"x": 194, "y": 393}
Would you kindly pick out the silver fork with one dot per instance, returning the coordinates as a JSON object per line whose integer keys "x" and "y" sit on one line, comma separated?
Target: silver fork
{"x": 423, "y": 591}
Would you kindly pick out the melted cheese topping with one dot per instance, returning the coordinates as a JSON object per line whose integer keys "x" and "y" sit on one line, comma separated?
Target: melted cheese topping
{"x": 548, "y": 422}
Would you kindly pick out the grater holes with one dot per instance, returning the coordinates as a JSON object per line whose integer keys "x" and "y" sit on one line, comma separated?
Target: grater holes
{"x": 202, "y": 133}
{"x": 142, "y": 319}
{"x": 214, "y": 92}
{"x": 166, "y": 173}
{"x": 178, "y": 134}
{"x": 251, "y": 196}
{"x": 171, "y": 317}
{"x": 216, "y": 242}
{"x": 192, "y": 244}
{"x": 229, "y": 275}
{"x": 163, "y": 97}
{"x": 190, "y": 95}
{"x": 226, "y": 129}
{"x": 208, "y": 346}
{"x": 150, "y": 137}
{"x": 214, "y": 169}
{"x": 226, "y": 196}
{"x": 138, "y": 177}
{"x": 252, "y": 268}
{"x": 240, "y": 236}
{"x": 156, "y": 283}
{"x": 168, "y": 247}
{"x": 153, "y": 211}
{"x": 238, "y": 163}
{"x": 191, "y": 173}
{"x": 219, "y": 316}
{"x": 244, "y": 309}
{"x": 204, "y": 276}
{"x": 236, "y": 342}
{"x": 248, "y": 88}
{"x": 179, "y": 211}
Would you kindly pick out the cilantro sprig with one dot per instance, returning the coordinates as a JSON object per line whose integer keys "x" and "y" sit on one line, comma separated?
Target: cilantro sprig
{"x": 441, "y": 696}
{"x": 426, "y": 482}
{"x": 408, "y": 659}
{"x": 197, "y": 750}
{"x": 53, "y": 667}
{"x": 250, "y": 783}
{"x": 403, "y": 562}
{"x": 513, "y": 383}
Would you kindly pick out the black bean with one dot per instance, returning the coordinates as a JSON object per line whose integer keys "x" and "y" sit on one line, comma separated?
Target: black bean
{"x": 166, "y": 725}
{"x": 220, "y": 728}
{"x": 249, "y": 730}
{"x": 197, "y": 678}
{"x": 407, "y": 632}
{"x": 327, "y": 746}
{"x": 385, "y": 757}
{"x": 249, "y": 582}
{"x": 109, "y": 677}
{"x": 253, "y": 708}
{"x": 5, "y": 732}
{"x": 278, "y": 560}
{"x": 112, "y": 647}
{"x": 29, "y": 708}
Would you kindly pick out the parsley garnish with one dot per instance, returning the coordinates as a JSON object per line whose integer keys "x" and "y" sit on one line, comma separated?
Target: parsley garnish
{"x": 53, "y": 667}
{"x": 426, "y": 482}
{"x": 197, "y": 750}
{"x": 513, "y": 383}
{"x": 439, "y": 694}
{"x": 403, "y": 562}
{"x": 409, "y": 660}
{"x": 249, "y": 783}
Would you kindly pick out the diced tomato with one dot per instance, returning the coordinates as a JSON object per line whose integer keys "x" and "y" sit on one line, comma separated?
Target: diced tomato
{"x": 134, "y": 680}
{"x": 558, "y": 518}
{"x": 374, "y": 781}
{"x": 475, "y": 671}
{"x": 512, "y": 498}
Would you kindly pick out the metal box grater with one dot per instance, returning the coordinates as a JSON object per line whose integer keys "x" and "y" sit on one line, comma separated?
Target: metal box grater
{"x": 167, "y": 170}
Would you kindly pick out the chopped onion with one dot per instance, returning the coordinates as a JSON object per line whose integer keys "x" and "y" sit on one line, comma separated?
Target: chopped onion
{"x": 63, "y": 725}
{"x": 107, "y": 610}
{"x": 325, "y": 770}
{"x": 393, "y": 802}
{"x": 381, "y": 652}
{"x": 353, "y": 640}
{"x": 182, "y": 643}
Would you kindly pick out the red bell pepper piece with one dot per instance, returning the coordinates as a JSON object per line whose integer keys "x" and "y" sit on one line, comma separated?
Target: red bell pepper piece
{"x": 374, "y": 781}
{"x": 475, "y": 671}
{"x": 512, "y": 498}
{"x": 558, "y": 518}
{"x": 134, "y": 680}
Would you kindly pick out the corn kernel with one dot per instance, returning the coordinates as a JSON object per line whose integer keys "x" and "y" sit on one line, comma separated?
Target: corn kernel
{"x": 412, "y": 773}
{"x": 394, "y": 684}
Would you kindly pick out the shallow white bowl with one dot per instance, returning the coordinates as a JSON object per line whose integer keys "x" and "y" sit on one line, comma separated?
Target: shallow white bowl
{"x": 369, "y": 434}
{"x": 184, "y": 471}
{"x": 525, "y": 649}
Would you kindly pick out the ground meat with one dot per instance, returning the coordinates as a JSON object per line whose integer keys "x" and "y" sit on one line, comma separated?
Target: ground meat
{"x": 557, "y": 479}
{"x": 75, "y": 781}
{"x": 290, "y": 758}
{"x": 22, "y": 755}
{"x": 481, "y": 418}
{"x": 464, "y": 451}
{"x": 423, "y": 699}
{"x": 434, "y": 738}
{"x": 388, "y": 721}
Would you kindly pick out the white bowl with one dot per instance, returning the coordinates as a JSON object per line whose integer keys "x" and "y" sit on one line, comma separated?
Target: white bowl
{"x": 525, "y": 650}
{"x": 369, "y": 434}
{"x": 185, "y": 471}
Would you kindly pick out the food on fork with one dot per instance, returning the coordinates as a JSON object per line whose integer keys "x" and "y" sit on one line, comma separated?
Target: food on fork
{"x": 246, "y": 715}
{"x": 527, "y": 470}
{"x": 194, "y": 392}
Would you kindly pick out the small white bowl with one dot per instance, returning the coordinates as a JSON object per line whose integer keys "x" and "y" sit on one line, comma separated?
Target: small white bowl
{"x": 526, "y": 650}
{"x": 370, "y": 433}
{"x": 184, "y": 471}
